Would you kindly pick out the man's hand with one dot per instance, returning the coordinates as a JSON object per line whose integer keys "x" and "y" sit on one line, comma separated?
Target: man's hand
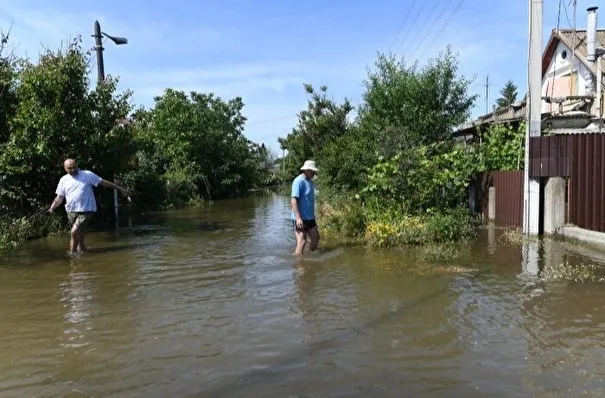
{"x": 299, "y": 222}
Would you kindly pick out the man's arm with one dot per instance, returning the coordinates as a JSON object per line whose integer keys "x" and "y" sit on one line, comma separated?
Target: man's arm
{"x": 56, "y": 203}
{"x": 109, "y": 184}
{"x": 294, "y": 197}
{"x": 294, "y": 205}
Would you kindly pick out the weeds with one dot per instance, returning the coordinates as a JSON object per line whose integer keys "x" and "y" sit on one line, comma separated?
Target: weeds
{"x": 16, "y": 231}
{"x": 439, "y": 253}
{"x": 582, "y": 273}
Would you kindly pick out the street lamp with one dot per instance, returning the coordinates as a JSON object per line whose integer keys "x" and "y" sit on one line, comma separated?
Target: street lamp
{"x": 101, "y": 77}
{"x": 99, "y": 48}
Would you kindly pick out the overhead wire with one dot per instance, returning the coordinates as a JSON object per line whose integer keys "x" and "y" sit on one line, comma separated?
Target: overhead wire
{"x": 407, "y": 15}
{"x": 420, "y": 13}
{"x": 443, "y": 9}
{"x": 447, "y": 22}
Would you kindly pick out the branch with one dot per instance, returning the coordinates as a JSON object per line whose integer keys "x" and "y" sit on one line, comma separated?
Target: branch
{"x": 4, "y": 37}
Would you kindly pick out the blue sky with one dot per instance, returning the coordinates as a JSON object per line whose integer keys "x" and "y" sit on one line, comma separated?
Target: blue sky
{"x": 265, "y": 50}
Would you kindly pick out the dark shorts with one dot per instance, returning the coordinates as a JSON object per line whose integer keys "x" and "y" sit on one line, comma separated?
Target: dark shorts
{"x": 80, "y": 218}
{"x": 307, "y": 225}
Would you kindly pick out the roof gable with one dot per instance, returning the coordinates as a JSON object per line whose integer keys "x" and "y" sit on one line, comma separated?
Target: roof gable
{"x": 574, "y": 40}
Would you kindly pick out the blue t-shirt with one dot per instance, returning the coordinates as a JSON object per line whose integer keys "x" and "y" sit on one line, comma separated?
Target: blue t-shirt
{"x": 304, "y": 190}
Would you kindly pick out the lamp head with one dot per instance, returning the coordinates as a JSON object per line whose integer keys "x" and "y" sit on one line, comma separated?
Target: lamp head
{"x": 116, "y": 39}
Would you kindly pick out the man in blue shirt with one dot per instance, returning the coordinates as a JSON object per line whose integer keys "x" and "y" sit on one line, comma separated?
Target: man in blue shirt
{"x": 303, "y": 208}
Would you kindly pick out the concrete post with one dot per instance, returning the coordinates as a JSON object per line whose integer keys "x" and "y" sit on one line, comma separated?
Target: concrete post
{"x": 554, "y": 205}
{"x": 531, "y": 191}
{"x": 491, "y": 204}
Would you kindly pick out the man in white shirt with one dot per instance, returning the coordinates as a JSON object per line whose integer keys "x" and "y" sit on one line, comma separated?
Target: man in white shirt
{"x": 76, "y": 189}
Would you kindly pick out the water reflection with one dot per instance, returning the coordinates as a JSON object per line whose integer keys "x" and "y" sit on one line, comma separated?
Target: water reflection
{"x": 76, "y": 296}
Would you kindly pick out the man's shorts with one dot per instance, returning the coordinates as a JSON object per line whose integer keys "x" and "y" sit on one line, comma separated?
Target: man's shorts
{"x": 307, "y": 225}
{"x": 80, "y": 219}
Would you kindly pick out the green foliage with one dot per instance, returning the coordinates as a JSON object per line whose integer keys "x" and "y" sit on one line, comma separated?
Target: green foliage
{"x": 423, "y": 178}
{"x": 392, "y": 228}
{"x": 503, "y": 147}
{"x": 15, "y": 231}
{"x": 508, "y": 95}
{"x": 405, "y": 106}
{"x": 8, "y": 101}
{"x": 320, "y": 124}
{"x": 345, "y": 161}
{"x": 186, "y": 149}
{"x": 397, "y": 175}
{"x": 55, "y": 117}
{"x": 439, "y": 253}
{"x": 200, "y": 135}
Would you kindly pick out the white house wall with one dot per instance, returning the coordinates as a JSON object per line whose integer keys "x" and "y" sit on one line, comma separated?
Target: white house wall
{"x": 556, "y": 81}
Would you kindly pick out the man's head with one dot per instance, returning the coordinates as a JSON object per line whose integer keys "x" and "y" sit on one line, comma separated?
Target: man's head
{"x": 309, "y": 169}
{"x": 70, "y": 166}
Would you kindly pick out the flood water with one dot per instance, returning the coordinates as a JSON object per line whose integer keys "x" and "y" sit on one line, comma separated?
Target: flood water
{"x": 210, "y": 303}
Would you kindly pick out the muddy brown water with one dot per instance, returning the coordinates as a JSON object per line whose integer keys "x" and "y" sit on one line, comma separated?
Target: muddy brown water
{"x": 210, "y": 303}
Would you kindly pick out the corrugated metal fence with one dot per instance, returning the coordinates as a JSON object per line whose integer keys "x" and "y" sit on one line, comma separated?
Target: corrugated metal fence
{"x": 578, "y": 157}
{"x": 508, "y": 202}
{"x": 586, "y": 188}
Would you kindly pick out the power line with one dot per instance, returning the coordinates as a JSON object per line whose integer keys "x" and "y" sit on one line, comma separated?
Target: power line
{"x": 430, "y": 29}
{"x": 271, "y": 120}
{"x": 446, "y": 23}
{"x": 402, "y": 24}
{"x": 425, "y": 21}
{"x": 424, "y": 3}
{"x": 566, "y": 15}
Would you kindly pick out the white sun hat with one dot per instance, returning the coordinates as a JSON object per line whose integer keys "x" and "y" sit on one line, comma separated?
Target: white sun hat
{"x": 309, "y": 165}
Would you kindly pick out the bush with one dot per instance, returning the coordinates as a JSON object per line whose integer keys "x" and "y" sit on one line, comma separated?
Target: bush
{"x": 180, "y": 188}
{"x": 147, "y": 187}
{"x": 449, "y": 225}
{"x": 15, "y": 231}
{"x": 381, "y": 225}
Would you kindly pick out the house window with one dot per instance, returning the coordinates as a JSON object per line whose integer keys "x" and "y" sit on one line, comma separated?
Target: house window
{"x": 564, "y": 54}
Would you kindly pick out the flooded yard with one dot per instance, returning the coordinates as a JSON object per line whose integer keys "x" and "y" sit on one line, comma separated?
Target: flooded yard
{"x": 211, "y": 303}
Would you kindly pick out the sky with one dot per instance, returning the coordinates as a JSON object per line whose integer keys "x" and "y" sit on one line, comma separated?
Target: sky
{"x": 265, "y": 50}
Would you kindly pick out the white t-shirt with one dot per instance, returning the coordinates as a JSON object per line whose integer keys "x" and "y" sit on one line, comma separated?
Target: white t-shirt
{"x": 77, "y": 191}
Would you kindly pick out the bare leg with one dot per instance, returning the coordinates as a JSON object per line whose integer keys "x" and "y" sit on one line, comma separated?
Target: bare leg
{"x": 82, "y": 246}
{"x": 300, "y": 242}
{"x": 75, "y": 238}
{"x": 314, "y": 236}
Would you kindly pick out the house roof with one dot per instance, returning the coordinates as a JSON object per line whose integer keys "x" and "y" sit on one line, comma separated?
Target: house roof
{"x": 574, "y": 40}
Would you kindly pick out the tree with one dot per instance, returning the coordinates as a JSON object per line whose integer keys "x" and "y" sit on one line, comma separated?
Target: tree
{"x": 8, "y": 81}
{"x": 404, "y": 106}
{"x": 56, "y": 116}
{"x": 204, "y": 151}
{"x": 508, "y": 95}
{"x": 321, "y": 123}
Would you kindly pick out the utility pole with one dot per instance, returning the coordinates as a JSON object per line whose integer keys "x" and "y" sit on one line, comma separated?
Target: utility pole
{"x": 98, "y": 35}
{"x": 594, "y": 55}
{"x": 531, "y": 192}
{"x": 486, "y": 94}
